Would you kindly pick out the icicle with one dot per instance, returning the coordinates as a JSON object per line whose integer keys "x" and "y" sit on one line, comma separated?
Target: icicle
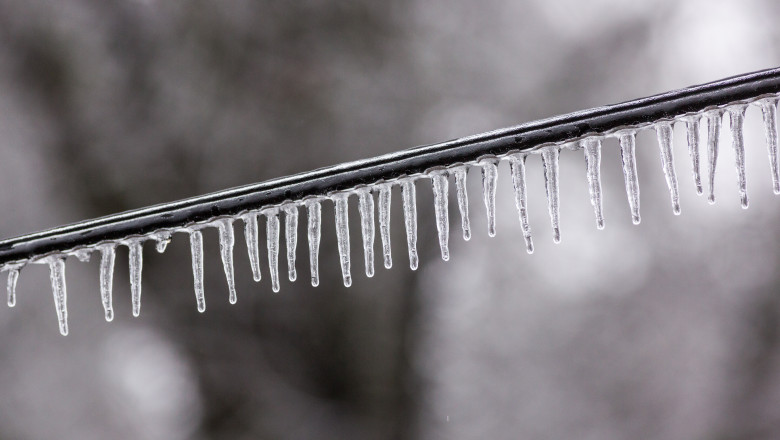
{"x": 769, "y": 112}
{"x": 291, "y": 238}
{"x": 440, "y": 196}
{"x": 342, "y": 235}
{"x": 550, "y": 162}
{"x": 272, "y": 236}
{"x": 664, "y": 133}
{"x": 385, "y": 193}
{"x": 196, "y": 247}
{"x": 315, "y": 220}
{"x": 489, "y": 181}
{"x": 252, "y": 246}
{"x": 628, "y": 156}
{"x": 226, "y": 243}
{"x": 107, "y": 259}
{"x": 592, "y": 149}
{"x": 409, "y": 197}
{"x": 13, "y": 277}
{"x": 59, "y": 290}
{"x": 737, "y": 117}
{"x": 136, "y": 266}
{"x": 692, "y": 126}
{"x": 713, "y": 124}
{"x": 83, "y": 255}
{"x": 163, "y": 239}
{"x": 463, "y": 200}
{"x": 366, "y": 208}
{"x": 517, "y": 168}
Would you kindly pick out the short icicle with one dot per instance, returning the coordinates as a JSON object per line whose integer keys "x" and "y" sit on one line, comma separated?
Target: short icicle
{"x": 251, "y": 235}
{"x": 342, "y": 235}
{"x": 272, "y": 239}
{"x": 314, "y": 213}
{"x": 440, "y": 198}
{"x": 592, "y": 149}
{"x": 737, "y": 119}
{"x": 664, "y": 133}
{"x": 291, "y": 238}
{"x": 769, "y": 113}
{"x": 196, "y": 247}
{"x": 628, "y": 157}
{"x": 163, "y": 239}
{"x": 13, "y": 277}
{"x": 517, "y": 168}
{"x": 714, "y": 118}
{"x": 136, "y": 267}
{"x": 59, "y": 290}
{"x": 385, "y": 194}
{"x": 366, "y": 208}
{"x": 489, "y": 181}
{"x": 107, "y": 260}
{"x": 550, "y": 162}
{"x": 227, "y": 242}
{"x": 409, "y": 196}
{"x": 463, "y": 200}
{"x": 692, "y": 128}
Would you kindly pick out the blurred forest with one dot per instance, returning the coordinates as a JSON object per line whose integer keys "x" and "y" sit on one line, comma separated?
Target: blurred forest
{"x": 669, "y": 329}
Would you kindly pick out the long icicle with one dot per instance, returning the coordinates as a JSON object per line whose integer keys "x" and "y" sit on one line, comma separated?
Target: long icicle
{"x": 385, "y": 194}
{"x": 737, "y": 122}
{"x": 769, "y": 113}
{"x": 342, "y": 235}
{"x": 628, "y": 157}
{"x": 59, "y": 290}
{"x": 314, "y": 213}
{"x": 592, "y": 149}
{"x": 196, "y": 248}
{"x": 664, "y": 133}
{"x": 272, "y": 240}
{"x": 440, "y": 199}
{"x": 463, "y": 200}
{"x": 489, "y": 181}
{"x": 291, "y": 238}
{"x": 713, "y": 124}
{"x": 550, "y": 162}
{"x": 517, "y": 168}
{"x": 692, "y": 128}
{"x": 136, "y": 267}
{"x": 251, "y": 235}
{"x": 107, "y": 260}
{"x": 408, "y": 194}
{"x": 366, "y": 208}
{"x": 227, "y": 242}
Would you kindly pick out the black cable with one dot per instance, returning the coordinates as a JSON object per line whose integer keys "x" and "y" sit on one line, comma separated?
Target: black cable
{"x": 600, "y": 120}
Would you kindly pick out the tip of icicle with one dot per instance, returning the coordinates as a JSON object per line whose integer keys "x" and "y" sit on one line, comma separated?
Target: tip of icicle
{"x": 556, "y": 235}
{"x": 315, "y": 282}
{"x": 109, "y": 315}
{"x": 64, "y": 330}
{"x": 201, "y": 308}
{"x": 529, "y": 246}
{"x": 257, "y": 278}
{"x": 233, "y": 299}
{"x": 275, "y": 288}
{"x": 293, "y": 275}
{"x": 600, "y": 224}
{"x": 699, "y": 190}
{"x": 744, "y": 202}
{"x": 413, "y": 262}
{"x": 711, "y": 199}
{"x": 370, "y": 273}
{"x": 636, "y": 219}
{"x": 676, "y": 209}
{"x": 388, "y": 263}
{"x": 11, "y": 303}
{"x": 136, "y": 313}
{"x": 777, "y": 189}
{"x": 466, "y": 235}
{"x": 492, "y": 232}
{"x": 347, "y": 281}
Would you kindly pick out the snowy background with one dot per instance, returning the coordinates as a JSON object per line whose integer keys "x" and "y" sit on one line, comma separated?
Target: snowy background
{"x": 669, "y": 329}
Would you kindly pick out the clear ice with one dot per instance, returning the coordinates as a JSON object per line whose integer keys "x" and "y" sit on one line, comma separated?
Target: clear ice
{"x": 692, "y": 128}
{"x": 737, "y": 119}
{"x": 291, "y": 238}
{"x": 366, "y": 208}
{"x": 628, "y": 157}
{"x": 314, "y": 213}
{"x": 592, "y": 149}
{"x": 272, "y": 237}
{"x": 385, "y": 194}
{"x": 251, "y": 235}
{"x": 136, "y": 266}
{"x": 58, "y": 289}
{"x": 463, "y": 200}
{"x": 409, "y": 197}
{"x": 342, "y": 235}
{"x": 163, "y": 239}
{"x": 714, "y": 118}
{"x": 550, "y": 163}
{"x": 769, "y": 114}
{"x": 489, "y": 181}
{"x": 227, "y": 242}
{"x": 196, "y": 247}
{"x": 517, "y": 168}
{"x": 107, "y": 259}
{"x": 13, "y": 277}
{"x": 440, "y": 196}
{"x": 664, "y": 133}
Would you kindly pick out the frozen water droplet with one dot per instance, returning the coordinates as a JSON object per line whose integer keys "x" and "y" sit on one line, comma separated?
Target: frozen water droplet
{"x": 291, "y": 238}
{"x": 314, "y": 211}
{"x": 463, "y": 200}
{"x": 251, "y": 234}
{"x": 550, "y": 163}
{"x": 664, "y": 133}
{"x": 163, "y": 239}
{"x": 517, "y": 169}
{"x": 440, "y": 196}
{"x": 385, "y": 193}
{"x": 713, "y": 124}
{"x": 692, "y": 128}
{"x": 342, "y": 235}
{"x": 107, "y": 259}
{"x": 489, "y": 181}
{"x": 59, "y": 290}
{"x": 366, "y": 208}
{"x": 226, "y": 243}
{"x": 769, "y": 112}
{"x": 136, "y": 267}
{"x": 409, "y": 197}
{"x": 737, "y": 118}
{"x": 272, "y": 237}
{"x": 13, "y": 277}
{"x": 628, "y": 157}
{"x": 196, "y": 248}
{"x": 592, "y": 149}
{"x": 83, "y": 255}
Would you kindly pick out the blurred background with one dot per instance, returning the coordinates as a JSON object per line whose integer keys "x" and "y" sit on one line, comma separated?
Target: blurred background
{"x": 669, "y": 329}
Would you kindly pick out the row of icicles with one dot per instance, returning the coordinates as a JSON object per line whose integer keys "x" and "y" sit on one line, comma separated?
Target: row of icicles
{"x": 440, "y": 182}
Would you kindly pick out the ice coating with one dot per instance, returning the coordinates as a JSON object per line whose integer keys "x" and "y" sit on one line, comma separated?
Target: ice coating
{"x": 251, "y": 235}
{"x": 409, "y": 197}
{"x": 592, "y": 149}
{"x": 692, "y": 129}
{"x": 385, "y": 197}
{"x": 83, "y": 255}
{"x": 163, "y": 239}
{"x": 272, "y": 238}
{"x": 550, "y": 163}
{"x": 664, "y": 134}
{"x": 628, "y": 157}
{"x": 489, "y": 181}
{"x": 314, "y": 213}
{"x": 136, "y": 267}
{"x": 13, "y": 277}
{"x": 342, "y": 235}
{"x": 59, "y": 290}
{"x": 107, "y": 260}
{"x": 366, "y": 209}
{"x": 517, "y": 169}
{"x": 196, "y": 248}
{"x": 291, "y": 238}
{"x": 440, "y": 196}
{"x": 769, "y": 114}
{"x": 737, "y": 118}
{"x": 227, "y": 242}
{"x": 713, "y": 134}
{"x": 463, "y": 200}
